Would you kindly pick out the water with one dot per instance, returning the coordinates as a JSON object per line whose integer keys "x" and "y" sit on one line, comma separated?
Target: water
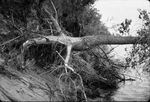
{"x": 138, "y": 90}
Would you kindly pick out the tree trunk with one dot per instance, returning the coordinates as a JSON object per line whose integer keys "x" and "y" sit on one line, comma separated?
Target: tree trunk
{"x": 83, "y": 43}
{"x": 92, "y": 41}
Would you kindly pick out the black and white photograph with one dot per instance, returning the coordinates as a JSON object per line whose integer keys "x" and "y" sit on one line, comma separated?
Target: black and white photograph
{"x": 75, "y": 50}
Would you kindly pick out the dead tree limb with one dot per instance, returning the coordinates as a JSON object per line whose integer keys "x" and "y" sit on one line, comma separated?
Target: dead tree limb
{"x": 83, "y": 43}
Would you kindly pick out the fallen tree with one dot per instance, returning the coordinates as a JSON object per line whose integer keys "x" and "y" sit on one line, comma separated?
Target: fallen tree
{"x": 79, "y": 43}
{"x": 16, "y": 86}
{"x": 87, "y": 42}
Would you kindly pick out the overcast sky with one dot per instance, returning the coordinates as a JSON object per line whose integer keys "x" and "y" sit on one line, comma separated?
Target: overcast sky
{"x": 115, "y": 11}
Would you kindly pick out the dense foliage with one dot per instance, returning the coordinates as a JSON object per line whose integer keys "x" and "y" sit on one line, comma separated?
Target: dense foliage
{"x": 140, "y": 52}
{"x": 21, "y": 20}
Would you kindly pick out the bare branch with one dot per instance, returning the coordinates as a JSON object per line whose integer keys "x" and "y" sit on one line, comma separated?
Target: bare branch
{"x": 56, "y": 15}
{"x": 55, "y": 22}
{"x": 60, "y": 56}
{"x": 69, "y": 47}
{"x": 9, "y": 41}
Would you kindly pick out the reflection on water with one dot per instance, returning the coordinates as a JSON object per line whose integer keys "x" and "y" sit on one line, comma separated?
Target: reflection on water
{"x": 138, "y": 90}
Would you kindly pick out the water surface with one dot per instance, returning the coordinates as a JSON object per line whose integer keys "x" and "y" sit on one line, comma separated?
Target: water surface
{"x": 138, "y": 90}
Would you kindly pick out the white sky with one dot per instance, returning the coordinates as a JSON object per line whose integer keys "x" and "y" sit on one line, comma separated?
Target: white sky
{"x": 115, "y": 11}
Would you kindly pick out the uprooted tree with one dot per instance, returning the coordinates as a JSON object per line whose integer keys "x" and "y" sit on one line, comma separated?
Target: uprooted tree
{"x": 46, "y": 22}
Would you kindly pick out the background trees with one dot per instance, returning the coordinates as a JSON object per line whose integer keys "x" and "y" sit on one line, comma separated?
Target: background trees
{"x": 140, "y": 52}
{"x": 34, "y": 37}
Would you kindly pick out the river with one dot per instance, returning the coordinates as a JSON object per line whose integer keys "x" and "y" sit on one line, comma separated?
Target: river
{"x": 138, "y": 90}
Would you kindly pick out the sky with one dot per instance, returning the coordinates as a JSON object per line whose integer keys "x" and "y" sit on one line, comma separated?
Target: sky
{"x": 116, "y": 11}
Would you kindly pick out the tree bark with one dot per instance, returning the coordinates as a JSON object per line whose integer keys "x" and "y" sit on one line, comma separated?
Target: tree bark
{"x": 83, "y": 43}
{"x": 92, "y": 41}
